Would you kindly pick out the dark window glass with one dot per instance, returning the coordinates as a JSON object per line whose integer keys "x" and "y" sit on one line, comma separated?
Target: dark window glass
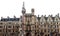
{"x": 1, "y": 26}
{"x": 9, "y": 30}
{"x": 45, "y": 30}
{"x": 0, "y": 30}
{"x": 9, "y": 26}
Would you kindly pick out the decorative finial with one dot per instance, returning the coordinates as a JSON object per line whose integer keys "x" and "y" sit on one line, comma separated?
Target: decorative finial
{"x": 8, "y": 17}
{"x": 58, "y": 14}
{"x": 14, "y": 16}
{"x": 45, "y": 16}
{"x": 51, "y": 15}
{"x": 38, "y": 15}
{"x": 1, "y": 17}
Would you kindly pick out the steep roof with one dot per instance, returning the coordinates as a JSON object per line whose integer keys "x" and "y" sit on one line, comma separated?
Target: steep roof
{"x": 10, "y": 19}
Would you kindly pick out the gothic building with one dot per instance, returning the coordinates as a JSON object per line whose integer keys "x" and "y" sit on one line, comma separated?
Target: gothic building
{"x": 33, "y": 25}
{"x": 30, "y": 25}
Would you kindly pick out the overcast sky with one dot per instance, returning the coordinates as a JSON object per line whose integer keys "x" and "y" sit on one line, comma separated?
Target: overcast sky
{"x": 42, "y": 7}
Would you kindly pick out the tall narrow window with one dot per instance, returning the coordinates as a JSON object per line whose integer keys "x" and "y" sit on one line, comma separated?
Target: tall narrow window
{"x": 9, "y": 26}
{"x": 1, "y": 26}
{"x": 0, "y": 30}
{"x": 44, "y": 30}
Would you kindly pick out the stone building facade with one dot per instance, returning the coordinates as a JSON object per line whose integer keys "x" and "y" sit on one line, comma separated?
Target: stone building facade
{"x": 33, "y": 25}
{"x": 9, "y": 28}
{"x": 30, "y": 25}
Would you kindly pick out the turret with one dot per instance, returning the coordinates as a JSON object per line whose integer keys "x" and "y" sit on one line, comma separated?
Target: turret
{"x": 23, "y": 9}
{"x": 32, "y": 10}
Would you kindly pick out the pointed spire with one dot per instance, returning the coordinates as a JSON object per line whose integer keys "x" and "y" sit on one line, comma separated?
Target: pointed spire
{"x": 23, "y": 8}
{"x": 23, "y": 4}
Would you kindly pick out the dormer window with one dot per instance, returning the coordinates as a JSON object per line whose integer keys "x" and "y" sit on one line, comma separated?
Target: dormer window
{"x": 56, "y": 19}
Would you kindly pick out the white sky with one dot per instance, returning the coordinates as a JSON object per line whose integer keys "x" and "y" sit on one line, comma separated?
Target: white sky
{"x": 42, "y": 7}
